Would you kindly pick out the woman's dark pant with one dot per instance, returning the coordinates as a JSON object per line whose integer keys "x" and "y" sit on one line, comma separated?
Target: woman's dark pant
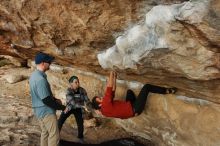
{"x": 79, "y": 120}
{"x": 139, "y": 102}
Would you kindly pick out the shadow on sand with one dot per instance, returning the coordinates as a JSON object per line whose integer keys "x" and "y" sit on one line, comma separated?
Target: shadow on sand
{"x": 117, "y": 142}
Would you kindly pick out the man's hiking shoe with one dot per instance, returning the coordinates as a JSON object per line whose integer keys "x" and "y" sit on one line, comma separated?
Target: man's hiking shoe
{"x": 171, "y": 90}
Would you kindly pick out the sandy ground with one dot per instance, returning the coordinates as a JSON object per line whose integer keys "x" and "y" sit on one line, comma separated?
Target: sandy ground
{"x": 20, "y": 128}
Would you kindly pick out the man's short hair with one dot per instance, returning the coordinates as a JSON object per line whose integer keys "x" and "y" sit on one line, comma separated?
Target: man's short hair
{"x": 95, "y": 104}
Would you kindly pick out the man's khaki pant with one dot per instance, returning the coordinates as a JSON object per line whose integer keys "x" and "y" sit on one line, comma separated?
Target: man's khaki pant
{"x": 50, "y": 135}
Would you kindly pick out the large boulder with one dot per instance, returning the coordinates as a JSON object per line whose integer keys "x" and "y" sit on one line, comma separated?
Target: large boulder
{"x": 163, "y": 42}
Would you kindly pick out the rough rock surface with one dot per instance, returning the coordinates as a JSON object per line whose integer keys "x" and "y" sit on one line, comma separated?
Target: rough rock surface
{"x": 13, "y": 78}
{"x": 167, "y": 119}
{"x": 19, "y": 127}
{"x": 178, "y": 45}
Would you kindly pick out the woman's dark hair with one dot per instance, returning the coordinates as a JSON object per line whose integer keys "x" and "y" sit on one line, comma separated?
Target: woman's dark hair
{"x": 73, "y": 78}
{"x": 95, "y": 104}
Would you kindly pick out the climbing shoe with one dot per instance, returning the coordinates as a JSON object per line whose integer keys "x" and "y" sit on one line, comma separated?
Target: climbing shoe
{"x": 171, "y": 90}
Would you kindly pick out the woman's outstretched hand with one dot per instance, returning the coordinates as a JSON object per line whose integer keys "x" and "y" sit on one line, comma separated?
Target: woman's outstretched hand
{"x": 110, "y": 80}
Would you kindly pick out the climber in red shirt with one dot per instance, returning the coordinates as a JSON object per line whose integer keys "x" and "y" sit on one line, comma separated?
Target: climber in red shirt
{"x": 132, "y": 106}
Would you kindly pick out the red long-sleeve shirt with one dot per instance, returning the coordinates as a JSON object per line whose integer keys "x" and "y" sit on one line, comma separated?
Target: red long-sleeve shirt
{"x": 115, "y": 108}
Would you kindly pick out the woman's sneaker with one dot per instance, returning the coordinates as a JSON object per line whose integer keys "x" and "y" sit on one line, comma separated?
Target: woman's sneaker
{"x": 81, "y": 140}
{"x": 171, "y": 90}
